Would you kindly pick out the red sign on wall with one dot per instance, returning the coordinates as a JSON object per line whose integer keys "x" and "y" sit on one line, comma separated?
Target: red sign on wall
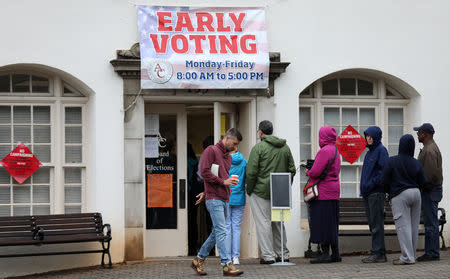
{"x": 21, "y": 163}
{"x": 350, "y": 144}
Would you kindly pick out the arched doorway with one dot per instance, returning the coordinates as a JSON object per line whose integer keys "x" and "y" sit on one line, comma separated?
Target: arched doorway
{"x": 357, "y": 97}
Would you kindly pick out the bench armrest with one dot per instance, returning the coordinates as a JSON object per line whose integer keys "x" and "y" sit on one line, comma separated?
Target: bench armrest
{"x": 442, "y": 218}
{"x": 38, "y": 233}
{"x": 108, "y": 230}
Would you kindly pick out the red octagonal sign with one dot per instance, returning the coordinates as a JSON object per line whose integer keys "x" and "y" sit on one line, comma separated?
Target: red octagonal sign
{"x": 21, "y": 163}
{"x": 350, "y": 144}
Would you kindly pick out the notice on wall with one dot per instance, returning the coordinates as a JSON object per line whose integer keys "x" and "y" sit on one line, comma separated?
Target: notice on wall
{"x": 152, "y": 124}
{"x": 350, "y": 144}
{"x": 151, "y": 147}
{"x": 159, "y": 192}
{"x": 203, "y": 47}
{"x": 21, "y": 163}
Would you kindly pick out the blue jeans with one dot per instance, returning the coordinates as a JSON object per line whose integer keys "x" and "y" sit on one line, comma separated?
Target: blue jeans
{"x": 374, "y": 204}
{"x": 234, "y": 230}
{"x": 430, "y": 200}
{"x": 219, "y": 211}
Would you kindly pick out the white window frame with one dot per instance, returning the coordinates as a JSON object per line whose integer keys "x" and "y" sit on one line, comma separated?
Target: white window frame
{"x": 318, "y": 92}
{"x": 57, "y": 102}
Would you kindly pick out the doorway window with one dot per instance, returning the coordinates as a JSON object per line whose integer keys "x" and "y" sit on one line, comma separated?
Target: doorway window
{"x": 162, "y": 206}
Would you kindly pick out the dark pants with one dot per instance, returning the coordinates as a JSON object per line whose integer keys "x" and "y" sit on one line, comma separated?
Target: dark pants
{"x": 430, "y": 200}
{"x": 375, "y": 217}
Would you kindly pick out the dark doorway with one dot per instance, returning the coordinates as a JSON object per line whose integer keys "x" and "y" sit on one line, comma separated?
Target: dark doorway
{"x": 200, "y": 130}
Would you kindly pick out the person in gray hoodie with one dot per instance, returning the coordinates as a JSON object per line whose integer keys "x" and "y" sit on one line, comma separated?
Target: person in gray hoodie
{"x": 402, "y": 178}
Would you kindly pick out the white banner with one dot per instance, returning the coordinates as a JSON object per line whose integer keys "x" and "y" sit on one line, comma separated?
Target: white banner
{"x": 192, "y": 47}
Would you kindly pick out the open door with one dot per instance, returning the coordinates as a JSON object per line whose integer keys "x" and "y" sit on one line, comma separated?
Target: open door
{"x": 165, "y": 147}
{"x": 225, "y": 117}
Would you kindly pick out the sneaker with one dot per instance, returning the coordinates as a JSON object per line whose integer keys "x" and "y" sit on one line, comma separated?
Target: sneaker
{"x": 375, "y": 259}
{"x": 262, "y": 261}
{"x": 427, "y": 258}
{"x": 231, "y": 270}
{"x": 236, "y": 261}
{"x": 197, "y": 265}
{"x": 399, "y": 262}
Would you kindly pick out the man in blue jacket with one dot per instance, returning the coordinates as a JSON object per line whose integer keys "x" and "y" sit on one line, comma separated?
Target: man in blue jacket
{"x": 373, "y": 193}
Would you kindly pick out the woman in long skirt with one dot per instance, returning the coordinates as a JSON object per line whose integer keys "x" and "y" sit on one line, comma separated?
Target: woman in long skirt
{"x": 325, "y": 209}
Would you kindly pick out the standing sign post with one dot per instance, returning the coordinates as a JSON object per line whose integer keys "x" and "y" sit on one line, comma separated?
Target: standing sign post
{"x": 280, "y": 198}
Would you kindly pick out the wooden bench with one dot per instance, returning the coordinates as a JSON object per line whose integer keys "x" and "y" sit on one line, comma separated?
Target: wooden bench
{"x": 353, "y": 212}
{"x": 56, "y": 229}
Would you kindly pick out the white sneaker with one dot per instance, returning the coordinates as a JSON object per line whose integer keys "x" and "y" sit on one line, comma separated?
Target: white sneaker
{"x": 235, "y": 261}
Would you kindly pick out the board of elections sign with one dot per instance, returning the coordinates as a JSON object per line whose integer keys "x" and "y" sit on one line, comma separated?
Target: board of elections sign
{"x": 210, "y": 47}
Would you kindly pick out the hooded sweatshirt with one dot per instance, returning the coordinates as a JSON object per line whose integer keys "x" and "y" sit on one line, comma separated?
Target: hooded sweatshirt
{"x": 270, "y": 155}
{"x": 373, "y": 165}
{"x": 214, "y": 187}
{"x": 403, "y": 172}
{"x": 238, "y": 165}
{"x": 329, "y": 188}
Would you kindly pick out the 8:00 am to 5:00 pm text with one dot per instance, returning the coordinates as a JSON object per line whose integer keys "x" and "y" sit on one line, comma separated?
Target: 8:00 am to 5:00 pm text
{"x": 220, "y": 76}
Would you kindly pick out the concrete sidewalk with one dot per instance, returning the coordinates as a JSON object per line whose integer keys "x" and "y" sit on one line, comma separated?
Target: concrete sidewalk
{"x": 350, "y": 267}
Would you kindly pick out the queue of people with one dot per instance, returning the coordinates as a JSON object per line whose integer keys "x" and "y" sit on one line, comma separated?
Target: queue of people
{"x": 412, "y": 186}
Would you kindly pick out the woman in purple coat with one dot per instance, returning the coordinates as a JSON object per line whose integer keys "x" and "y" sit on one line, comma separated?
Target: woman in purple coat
{"x": 324, "y": 210}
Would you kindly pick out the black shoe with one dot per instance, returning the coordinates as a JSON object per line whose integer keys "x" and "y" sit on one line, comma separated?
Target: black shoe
{"x": 375, "y": 259}
{"x": 262, "y": 261}
{"x": 427, "y": 258}
{"x": 321, "y": 259}
{"x": 336, "y": 259}
{"x": 278, "y": 260}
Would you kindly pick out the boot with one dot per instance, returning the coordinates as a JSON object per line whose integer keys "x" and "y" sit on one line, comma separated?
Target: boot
{"x": 231, "y": 270}
{"x": 198, "y": 265}
{"x": 335, "y": 256}
{"x": 324, "y": 257}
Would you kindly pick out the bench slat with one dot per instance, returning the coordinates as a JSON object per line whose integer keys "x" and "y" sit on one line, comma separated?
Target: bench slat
{"x": 69, "y": 226}
{"x": 14, "y": 241}
{"x": 68, "y": 216}
{"x": 13, "y": 223}
{"x": 67, "y": 221}
{"x": 66, "y": 232}
{"x": 53, "y": 239}
{"x": 15, "y": 229}
{"x": 14, "y": 218}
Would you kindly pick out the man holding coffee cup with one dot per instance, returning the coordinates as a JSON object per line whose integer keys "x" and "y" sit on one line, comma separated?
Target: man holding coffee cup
{"x": 216, "y": 158}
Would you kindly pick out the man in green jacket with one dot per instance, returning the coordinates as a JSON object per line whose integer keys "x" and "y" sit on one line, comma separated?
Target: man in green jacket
{"x": 270, "y": 155}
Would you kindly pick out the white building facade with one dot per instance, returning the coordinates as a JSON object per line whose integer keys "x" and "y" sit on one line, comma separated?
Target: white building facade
{"x": 67, "y": 94}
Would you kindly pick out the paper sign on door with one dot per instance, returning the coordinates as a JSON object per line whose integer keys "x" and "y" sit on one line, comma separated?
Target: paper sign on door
{"x": 159, "y": 190}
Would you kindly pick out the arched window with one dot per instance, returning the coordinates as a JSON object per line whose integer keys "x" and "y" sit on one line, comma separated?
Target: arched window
{"x": 340, "y": 100}
{"x": 48, "y": 115}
